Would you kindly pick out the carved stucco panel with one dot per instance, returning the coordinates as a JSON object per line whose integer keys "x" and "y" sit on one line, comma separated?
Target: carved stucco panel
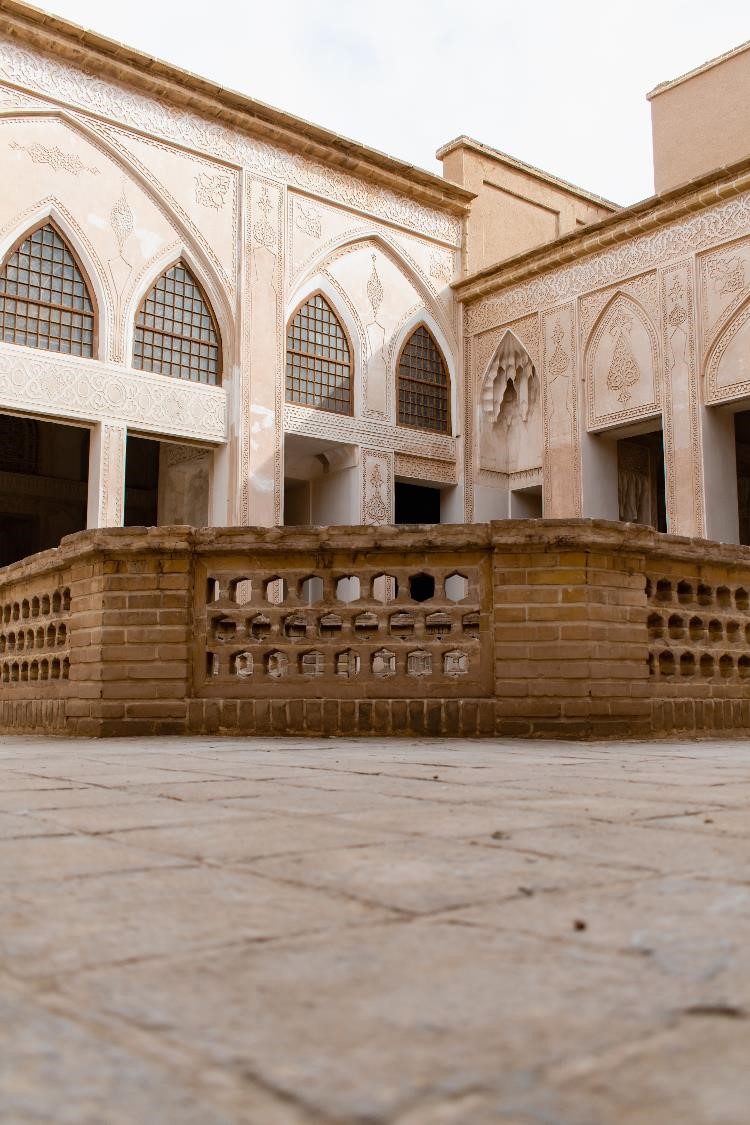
{"x": 261, "y": 434}
{"x": 111, "y": 475}
{"x": 705, "y": 229}
{"x": 644, "y": 290}
{"x": 562, "y": 450}
{"x": 622, "y": 365}
{"x": 203, "y": 194}
{"x": 682, "y": 450}
{"x": 364, "y": 431}
{"x": 377, "y": 487}
{"x": 425, "y": 469}
{"x": 56, "y": 385}
{"x": 728, "y": 364}
{"x": 526, "y": 330}
{"x": 62, "y": 82}
{"x": 724, "y": 286}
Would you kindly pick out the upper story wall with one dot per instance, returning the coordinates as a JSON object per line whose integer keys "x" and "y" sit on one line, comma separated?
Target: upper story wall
{"x": 639, "y": 324}
{"x": 517, "y": 207}
{"x": 139, "y": 165}
{"x": 701, "y": 121}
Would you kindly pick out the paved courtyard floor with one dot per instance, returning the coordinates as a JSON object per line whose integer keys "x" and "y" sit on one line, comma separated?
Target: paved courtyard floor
{"x": 204, "y": 931}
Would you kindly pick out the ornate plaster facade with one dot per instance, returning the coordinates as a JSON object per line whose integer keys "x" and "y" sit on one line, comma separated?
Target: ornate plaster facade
{"x": 139, "y": 166}
{"x": 602, "y": 371}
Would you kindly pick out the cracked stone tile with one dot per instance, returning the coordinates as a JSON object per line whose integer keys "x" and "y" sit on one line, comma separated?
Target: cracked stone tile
{"x": 378, "y": 1017}
{"x": 57, "y": 1068}
{"x": 40, "y": 857}
{"x": 59, "y": 927}
{"x": 236, "y": 838}
{"x": 425, "y": 874}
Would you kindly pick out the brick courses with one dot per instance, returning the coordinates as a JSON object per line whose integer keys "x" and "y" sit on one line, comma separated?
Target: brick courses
{"x": 587, "y": 629}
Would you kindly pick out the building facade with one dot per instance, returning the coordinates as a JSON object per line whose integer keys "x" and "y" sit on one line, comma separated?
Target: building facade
{"x": 238, "y": 293}
{"x": 609, "y": 370}
{"x": 217, "y": 314}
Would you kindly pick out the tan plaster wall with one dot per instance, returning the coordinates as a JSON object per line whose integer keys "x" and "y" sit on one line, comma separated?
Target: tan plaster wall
{"x": 515, "y": 209}
{"x": 701, "y": 122}
{"x": 647, "y": 335}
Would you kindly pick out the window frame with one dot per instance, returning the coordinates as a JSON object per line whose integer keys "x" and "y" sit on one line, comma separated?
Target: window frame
{"x": 49, "y": 221}
{"x": 180, "y": 261}
{"x": 448, "y": 431}
{"x": 347, "y": 336}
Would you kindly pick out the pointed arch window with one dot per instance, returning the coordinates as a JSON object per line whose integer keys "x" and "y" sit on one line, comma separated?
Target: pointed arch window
{"x": 423, "y": 385}
{"x": 175, "y": 330}
{"x": 318, "y": 358}
{"x": 45, "y": 299}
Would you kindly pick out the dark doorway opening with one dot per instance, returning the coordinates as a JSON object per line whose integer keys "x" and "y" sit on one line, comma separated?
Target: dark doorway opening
{"x": 141, "y": 482}
{"x": 642, "y": 493}
{"x": 742, "y": 447}
{"x": 414, "y": 503}
{"x": 296, "y": 503}
{"x": 43, "y": 484}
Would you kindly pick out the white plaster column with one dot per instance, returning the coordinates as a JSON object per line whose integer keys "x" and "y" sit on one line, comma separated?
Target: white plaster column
{"x": 261, "y": 469}
{"x": 106, "y": 494}
{"x": 562, "y": 417}
{"x": 719, "y": 465}
{"x": 684, "y": 437}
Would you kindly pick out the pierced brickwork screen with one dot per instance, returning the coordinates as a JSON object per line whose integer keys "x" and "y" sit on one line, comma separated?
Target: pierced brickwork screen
{"x": 698, "y": 632}
{"x": 318, "y": 363}
{"x": 44, "y": 301}
{"x": 35, "y": 638}
{"x": 175, "y": 330}
{"x": 393, "y": 631}
{"x": 423, "y": 385}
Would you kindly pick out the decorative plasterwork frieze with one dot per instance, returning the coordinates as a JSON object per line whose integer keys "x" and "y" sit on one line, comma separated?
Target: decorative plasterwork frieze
{"x": 340, "y": 428}
{"x": 40, "y": 382}
{"x": 65, "y": 83}
{"x": 425, "y": 468}
{"x": 703, "y": 230}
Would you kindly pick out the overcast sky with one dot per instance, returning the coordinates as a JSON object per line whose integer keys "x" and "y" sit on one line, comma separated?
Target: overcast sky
{"x": 560, "y": 85}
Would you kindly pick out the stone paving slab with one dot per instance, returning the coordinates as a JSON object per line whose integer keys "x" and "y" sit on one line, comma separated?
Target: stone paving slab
{"x": 278, "y": 932}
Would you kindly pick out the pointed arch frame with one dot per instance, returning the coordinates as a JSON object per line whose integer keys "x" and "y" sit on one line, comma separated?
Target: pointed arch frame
{"x": 739, "y": 389}
{"x": 407, "y": 337}
{"x": 49, "y": 218}
{"x": 494, "y": 357}
{"x": 320, "y": 291}
{"x": 148, "y": 283}
{"x": 651, "y": 410}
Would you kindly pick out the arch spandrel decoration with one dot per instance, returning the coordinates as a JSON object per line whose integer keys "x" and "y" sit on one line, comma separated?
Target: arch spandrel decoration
{"x": 423, "y": 384}
{"x": 728, "y": 366}
{"x": 318, "y": 358}
{"x": 622, "y": 365}
{"x": 510, "y": 413}
{"x": 45, "y": 296}
{"x": 176, "y": 333}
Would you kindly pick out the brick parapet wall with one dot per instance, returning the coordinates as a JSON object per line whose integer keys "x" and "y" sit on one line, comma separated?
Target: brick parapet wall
{"x": 567, "y": 628}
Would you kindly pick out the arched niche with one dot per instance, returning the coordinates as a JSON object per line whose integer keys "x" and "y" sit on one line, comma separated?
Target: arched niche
{"x": 622, "y": 364}
{"x": 510, "y": 411}
{"x": 728, "y": 367}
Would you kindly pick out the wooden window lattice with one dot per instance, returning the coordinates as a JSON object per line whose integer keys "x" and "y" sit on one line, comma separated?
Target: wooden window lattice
{"x": 44, "y": 300}
{"x": 318, "y": 363}
{"x": 423, "y": 401}
{"x": 175, "y": 331}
